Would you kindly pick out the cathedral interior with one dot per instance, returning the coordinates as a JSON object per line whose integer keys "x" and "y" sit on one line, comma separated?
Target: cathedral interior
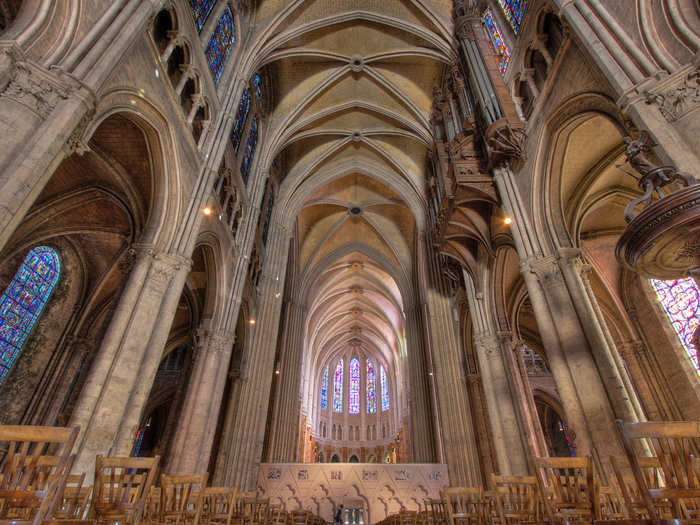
{"x": 352, "y": 252}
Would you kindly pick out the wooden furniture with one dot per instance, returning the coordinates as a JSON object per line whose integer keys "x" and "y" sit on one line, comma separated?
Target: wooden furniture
{"x": 464, "y": 505}
{"x": 260, "y": 511}
{"x": 181, "y": 499}
{"x": 34, "y": 470}
{"x": 437, "y": 509}
{"x": 299, "y": 517}
{"x": 568, "y": 488}
{"x": 218, "y": 505}
{"x": 74, "y": 499}
{"x": 674, "y": 445}
{"x": 277, "y": 515}
{"x": 244, "y": 508}
{"x": 517, "y": 499}
{"x": 121, "y": 487}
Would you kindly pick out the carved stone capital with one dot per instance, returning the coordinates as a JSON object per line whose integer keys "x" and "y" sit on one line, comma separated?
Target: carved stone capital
{"x": 506, "y": 144}
{"x": 35, "y": 87}
{"x": 163, "y": 269}
{"x": 677, "y": 100}
{"x": 216, "y": 342}
{"x": 545, "y": 268}
{"x": 78, "y": 141}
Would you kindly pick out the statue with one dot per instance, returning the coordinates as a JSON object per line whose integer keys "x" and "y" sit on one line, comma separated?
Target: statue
{"x": 654, "y": 177}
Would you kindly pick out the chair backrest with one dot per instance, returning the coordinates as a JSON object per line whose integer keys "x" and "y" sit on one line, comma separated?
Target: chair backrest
{"x": 74, "y": 498}
{"x": 464, "y": 504}
{"x": 35, "y": 463}
{"x": 517, "y": 498}
{"x": 674, "y": 445}
{"x": 437, "y": 509}
{"x": 612, "y": 504}
{"x": 218, "y": 505}
{"x": 121, "y": 487}
{"x": 299, "y": 517}
{"x": 277, "y": 515}
{"x": 181, "y": 498}
{"x": 567, "y": 487}
{"x": 260, "y": 512}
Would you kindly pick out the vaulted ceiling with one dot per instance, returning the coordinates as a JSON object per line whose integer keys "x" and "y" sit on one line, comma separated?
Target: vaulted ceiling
{"x": 351, "y": 127}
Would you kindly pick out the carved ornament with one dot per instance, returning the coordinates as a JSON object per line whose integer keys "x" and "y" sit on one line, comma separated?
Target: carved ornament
{"x": 506, "y": 144}
{"x": 676, "y": 102}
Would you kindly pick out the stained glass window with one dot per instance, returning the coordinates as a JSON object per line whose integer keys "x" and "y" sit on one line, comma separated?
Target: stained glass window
{"x": 514, "y": 11}
{"x": 499, "y": 44}
{"x": 268, "y": 213}
{"x": 257, "y": 85}
{"x": 354, "y": 397}
{"x": 371, "y": 399}
{"x": 23, "y": 301}
{"x": 220, "y": 44}
{"x": 385, "y": 388}
{"x": 200, "y": 11}
{"x": 338, "y": 388}
{"x": 681, "y": 300}
{"x": 249, "y": 150}
{"x": 241, "y": 119}
{"x": 324, "y": 390}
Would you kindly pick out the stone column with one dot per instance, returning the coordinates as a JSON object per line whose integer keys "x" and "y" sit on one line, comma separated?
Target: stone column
{"x": 421, "y": 422}
{"x": 505, "y": 427}
{"x": 200, "y": 411}
{"x": 121, "y": 376}
{"x": 245, "y": 439}
{"x": 285, "y": 421}
{"x": 461, "y": 453}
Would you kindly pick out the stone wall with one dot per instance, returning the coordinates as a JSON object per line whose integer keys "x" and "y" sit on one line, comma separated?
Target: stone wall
{"x": 321, "y": 488}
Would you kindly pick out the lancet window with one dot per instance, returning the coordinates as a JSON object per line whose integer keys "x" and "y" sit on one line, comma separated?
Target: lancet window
{"x": 24, "y": 300}
{"x": 338, "y": 388}
{"x": 514, "y": 11}
{"x": 681, "y": 302}
{"x": 200, "y": 11}
{"x": 385, "y": 388}
{"x": 371, "y": 398}
{"x": 324, "y": 390}
{"x": 250, "y": 146}
{"x": 221, "y": 43}
{"x": 354, "y": 395}
{"x": 497, "y": 40}
{"x": 241, "y": 119}
{"x": 257, "y": 86}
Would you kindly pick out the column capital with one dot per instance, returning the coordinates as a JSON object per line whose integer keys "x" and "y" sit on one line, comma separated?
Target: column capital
{"x": 214, "y": 341}
{"x": 545, "y": 268}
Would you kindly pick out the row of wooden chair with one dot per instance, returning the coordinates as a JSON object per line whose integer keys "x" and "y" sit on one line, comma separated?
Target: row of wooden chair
{"x": 36, "y": 487}
{"x": 645, "y": 489}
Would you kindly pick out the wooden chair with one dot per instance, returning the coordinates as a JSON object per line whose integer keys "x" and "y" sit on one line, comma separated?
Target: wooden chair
{"x": 674, "y": 444}
{"x": 635, "y": 507}
{"x": 517, "y": 499}
{"x": 568, "y": 488}
{"x": 218, "y": 505}
{"x": 260, "y": 511}
{"x": 34, "y": 469}
{"x": 299, "y": 517}
{"x": 277, "y": 515}
{"x": 437, "y": 509}
{"x": 121, "y": 487}
{"x": 181, "y": 499}
{"x": 611, "y": 504}
{"x": 408, "y": 517}
{"x": 243, "y": 508}
{"x": 152, "y": 510}
{"x": 464, "y": 505}
{"x": 73, "y": 502}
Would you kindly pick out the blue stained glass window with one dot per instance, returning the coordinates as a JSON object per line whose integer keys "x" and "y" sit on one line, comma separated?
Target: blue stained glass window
{"x": 354, "y": 397}
{"x": 241, "y": 119}
{"x": 681, "y": 301}
{"x": 220, "y": 44}
{"x": 324, "y": 390}
{"x": 514, "y": 11}
{"x": 200, "y": 11}
{"x": 371, "y": 398}
{"x": 268, "y": 213}
{"x": 338, "y": 388}
{"x": 497, "y": 40}
{"x": 385, "y": 388}
{"x": 249, "y": 150}
{"x": 23, "y": 301}
{"x": 257, "y": 85}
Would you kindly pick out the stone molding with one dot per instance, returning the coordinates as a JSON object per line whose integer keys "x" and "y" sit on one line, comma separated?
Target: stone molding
{"x": 676, "y": 97}
{"x": 35, "y": 87}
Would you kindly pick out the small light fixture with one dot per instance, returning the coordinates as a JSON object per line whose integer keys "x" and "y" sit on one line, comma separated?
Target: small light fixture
{"x": 277, "y": 372}
{"x": 430, "y": 374}
{"x": 206, "y": 210}
{"x": 251, "y": 321}
{"x": 508, "y": 220}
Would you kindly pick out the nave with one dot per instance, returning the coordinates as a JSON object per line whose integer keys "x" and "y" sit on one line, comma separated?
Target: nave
{"x": 430, "y": 260}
